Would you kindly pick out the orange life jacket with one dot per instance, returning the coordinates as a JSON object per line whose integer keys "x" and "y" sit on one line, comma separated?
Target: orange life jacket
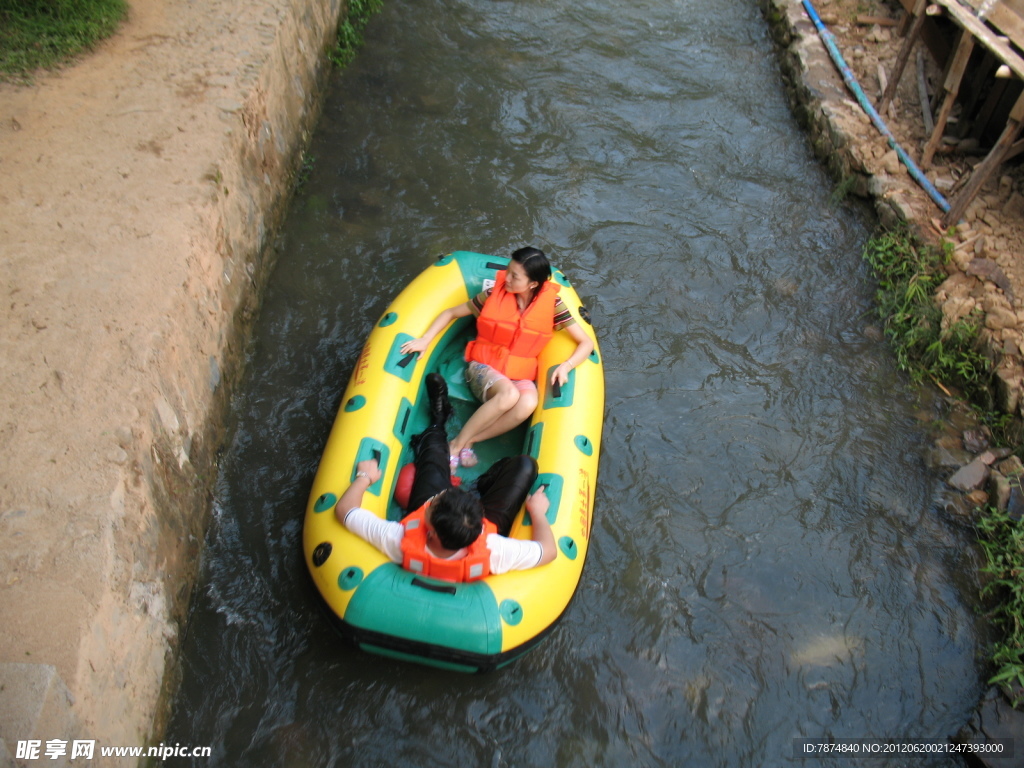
{"x": 418, "y": 559}
{"x": 510, "y": 341}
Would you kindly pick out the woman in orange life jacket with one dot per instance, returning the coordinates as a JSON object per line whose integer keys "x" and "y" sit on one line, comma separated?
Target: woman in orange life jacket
{"x": 515, "y": 320}
{"x": 452, "y": 533}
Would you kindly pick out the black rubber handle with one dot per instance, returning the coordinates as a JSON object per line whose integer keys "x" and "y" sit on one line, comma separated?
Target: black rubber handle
{"x": 433, "y": 587}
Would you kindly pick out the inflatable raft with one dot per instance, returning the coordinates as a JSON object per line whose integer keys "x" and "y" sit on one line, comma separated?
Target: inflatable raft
{"x": 384, "y": 609}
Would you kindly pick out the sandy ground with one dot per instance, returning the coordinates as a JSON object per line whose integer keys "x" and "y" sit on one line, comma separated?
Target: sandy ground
{"x": 135, "y": 195}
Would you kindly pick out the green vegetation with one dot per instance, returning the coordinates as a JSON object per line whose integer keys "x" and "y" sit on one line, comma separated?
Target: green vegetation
{"x": 45, "y": 33}
{"x": 908, "y": 273}
{"x": 842, "y": 191}
{"x": 350, "y": 30}
{"x": 305, "y": 169}
{"x": 37, "y": 34}
{"x": 1002, "y": 539}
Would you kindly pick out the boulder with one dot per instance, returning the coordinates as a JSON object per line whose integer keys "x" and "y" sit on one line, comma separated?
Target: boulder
{"x": 970, "y": 477}
{"x": 998, "y": 491}
{"x": 976, "y": 440}
{"x": 993, "y": 723}
{"x": 1015, "y": 501}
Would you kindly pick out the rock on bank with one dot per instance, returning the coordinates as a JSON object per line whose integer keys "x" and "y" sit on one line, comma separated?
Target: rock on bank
{"x": 140, "y": 187}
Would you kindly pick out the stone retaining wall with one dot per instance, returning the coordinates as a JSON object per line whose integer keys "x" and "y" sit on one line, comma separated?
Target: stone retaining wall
{"x": 842, "y": 135}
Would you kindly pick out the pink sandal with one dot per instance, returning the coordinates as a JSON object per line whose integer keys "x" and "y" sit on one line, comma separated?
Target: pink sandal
{"x": 453, "y": 463}
{"x": 467, "y": 457}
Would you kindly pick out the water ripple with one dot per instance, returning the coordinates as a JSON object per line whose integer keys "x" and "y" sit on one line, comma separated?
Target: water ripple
{"x": 765, "y": 561}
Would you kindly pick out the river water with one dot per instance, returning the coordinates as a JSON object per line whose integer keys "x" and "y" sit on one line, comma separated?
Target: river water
{"x": 768, "y": 561}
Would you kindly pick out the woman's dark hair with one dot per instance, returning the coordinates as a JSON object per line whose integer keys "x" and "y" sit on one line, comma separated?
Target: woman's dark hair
{"x": 457, "y": 517}
{"x": 534, "y": 263}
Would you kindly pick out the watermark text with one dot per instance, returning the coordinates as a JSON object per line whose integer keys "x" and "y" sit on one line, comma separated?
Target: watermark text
{"x": 86, "y": 749}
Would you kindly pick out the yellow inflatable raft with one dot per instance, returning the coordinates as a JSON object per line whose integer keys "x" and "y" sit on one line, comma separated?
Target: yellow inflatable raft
{"x": 476, "y": 626}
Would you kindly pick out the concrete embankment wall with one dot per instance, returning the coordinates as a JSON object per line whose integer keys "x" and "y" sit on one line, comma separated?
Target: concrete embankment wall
{"x": 141, "y": 188}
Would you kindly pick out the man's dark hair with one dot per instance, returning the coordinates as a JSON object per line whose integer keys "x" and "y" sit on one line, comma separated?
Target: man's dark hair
{"x": 457, "y": 517}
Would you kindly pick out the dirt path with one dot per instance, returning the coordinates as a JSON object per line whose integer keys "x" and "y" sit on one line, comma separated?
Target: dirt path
{"x": 138, "y": 188}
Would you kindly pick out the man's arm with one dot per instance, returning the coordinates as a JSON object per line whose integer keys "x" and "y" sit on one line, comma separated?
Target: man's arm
{"x": 367, "y": 473}
{"x": 384, "y": 535}
{"x": 519, "y": 555}
{"x": 537, "y": 504}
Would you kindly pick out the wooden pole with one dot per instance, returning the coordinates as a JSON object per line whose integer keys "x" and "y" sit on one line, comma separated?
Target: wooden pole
{"x": 904, "y": 54}
{"x": 952, "y": 87}
{"x": 988, "y": 166}
{"x": 922, "y": 94}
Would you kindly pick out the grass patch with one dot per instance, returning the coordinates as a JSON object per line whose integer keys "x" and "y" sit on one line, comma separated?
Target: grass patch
{"x": 36, "y": 34}
{"x": 1002, "y": 539}
{"x": 350, "y": 30}
{"x": 42, "y": 34}
{"x": 842, "y": 191}
{"x": 908, "y": 273}
{"x": 305, "y": 169}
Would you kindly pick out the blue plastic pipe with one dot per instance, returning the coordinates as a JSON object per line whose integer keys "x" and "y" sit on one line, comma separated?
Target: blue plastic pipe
{"x": 854, "y": 86}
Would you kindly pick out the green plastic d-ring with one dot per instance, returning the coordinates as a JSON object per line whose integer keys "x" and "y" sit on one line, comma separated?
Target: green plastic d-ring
{"x": 388, "y": 319}
{"x": 583, "y": 443}
{"x": 324, "y": 502}
{"x": 355, "y": 403}
{"x": 349, "y": 578}
{"x": 511, "y": 612}
{"x": 568, "y": 547}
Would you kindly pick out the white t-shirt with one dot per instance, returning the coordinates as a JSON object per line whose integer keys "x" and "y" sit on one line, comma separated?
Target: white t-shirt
{"x": 506, "y": 554}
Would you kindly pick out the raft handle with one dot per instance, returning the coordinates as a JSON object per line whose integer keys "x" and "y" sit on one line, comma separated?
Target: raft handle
{"x": 433, "y": 587}
{"x": 406, "y": 360}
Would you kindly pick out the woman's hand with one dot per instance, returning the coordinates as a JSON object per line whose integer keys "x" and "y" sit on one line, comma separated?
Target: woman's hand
{"x": 414, "y": 345}
{"x": 584, "y": 346}
{"x": 439, "y": 324}
{"x": 561, "y": 374}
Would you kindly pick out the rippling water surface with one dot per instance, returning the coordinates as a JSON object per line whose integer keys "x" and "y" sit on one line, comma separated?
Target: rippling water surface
{"x": 767, "y": 562}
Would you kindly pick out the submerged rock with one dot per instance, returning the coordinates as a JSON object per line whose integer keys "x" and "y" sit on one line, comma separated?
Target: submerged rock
{"x": 976, "y": 440}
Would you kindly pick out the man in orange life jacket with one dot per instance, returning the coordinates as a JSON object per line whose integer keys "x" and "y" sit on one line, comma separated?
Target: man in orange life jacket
{"x": 453, "y": 534}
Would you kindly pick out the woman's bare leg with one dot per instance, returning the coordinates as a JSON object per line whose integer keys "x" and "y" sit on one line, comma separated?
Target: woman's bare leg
{"x": 502, "y": 397}
{"x": 520, "y": 412}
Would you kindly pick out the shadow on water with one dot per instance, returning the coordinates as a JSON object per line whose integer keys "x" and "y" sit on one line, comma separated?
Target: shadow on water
{"x": 767, "y": 563}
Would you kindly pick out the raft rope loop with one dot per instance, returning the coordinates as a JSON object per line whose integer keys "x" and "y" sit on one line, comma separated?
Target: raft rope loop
{"x": 862, "y": 99}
